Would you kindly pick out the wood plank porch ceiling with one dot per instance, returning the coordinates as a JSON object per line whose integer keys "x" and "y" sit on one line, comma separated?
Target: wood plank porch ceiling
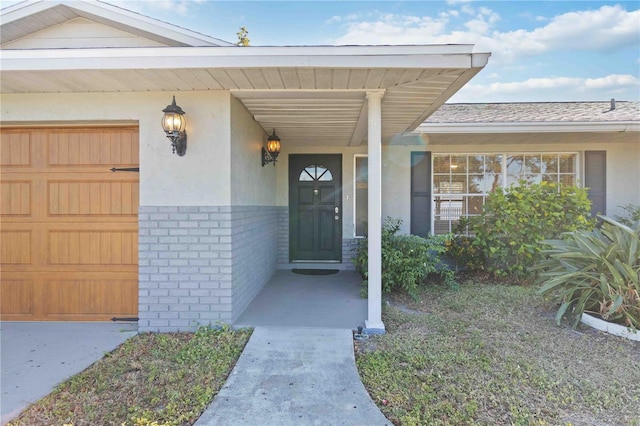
{"x": 306, "y": 105}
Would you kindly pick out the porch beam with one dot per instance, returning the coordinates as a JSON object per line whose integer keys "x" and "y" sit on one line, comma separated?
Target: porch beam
{"x": 373, "y": 324}
{"x": 361, "y": 126}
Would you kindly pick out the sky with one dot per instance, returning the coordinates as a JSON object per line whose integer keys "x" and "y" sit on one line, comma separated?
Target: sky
{"x": 540, "y": 50}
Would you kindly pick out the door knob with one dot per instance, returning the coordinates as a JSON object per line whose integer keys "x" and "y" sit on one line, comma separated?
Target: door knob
{"x": 337, "y": 210}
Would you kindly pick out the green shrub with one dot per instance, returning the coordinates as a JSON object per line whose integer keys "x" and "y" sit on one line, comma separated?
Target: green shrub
{"x": 632, "y": 215}
{"x": 514, "y": 221}
{"x": 406, "y": 259}
{"x": 595, "y": 272}
{"x": 459, "y": 248}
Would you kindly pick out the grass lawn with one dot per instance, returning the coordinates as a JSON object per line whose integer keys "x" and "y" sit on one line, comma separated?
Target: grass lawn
{"x": 492, "y": 355}
{"x": 150, "y": 380}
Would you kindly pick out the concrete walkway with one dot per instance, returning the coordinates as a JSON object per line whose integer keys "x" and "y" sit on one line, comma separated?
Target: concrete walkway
{"x": 37, "y": 356}
{"x": 294, "y": 376}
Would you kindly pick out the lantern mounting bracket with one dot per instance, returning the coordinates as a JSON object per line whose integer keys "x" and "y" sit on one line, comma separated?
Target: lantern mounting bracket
{"x": 178, "y": 142}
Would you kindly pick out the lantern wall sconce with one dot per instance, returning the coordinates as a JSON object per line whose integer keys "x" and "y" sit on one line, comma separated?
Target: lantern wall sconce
{"x": 270, "y": 155}
{"x": 173, "y": 124}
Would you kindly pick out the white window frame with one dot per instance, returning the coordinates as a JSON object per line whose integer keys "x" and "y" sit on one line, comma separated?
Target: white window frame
{"x": 355, "y": 183}
{"x": 577, "y": 174}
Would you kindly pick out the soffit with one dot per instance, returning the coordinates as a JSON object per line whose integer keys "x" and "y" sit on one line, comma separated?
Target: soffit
{"x": 306, "y": 107}
{"x": 311, "y": 104}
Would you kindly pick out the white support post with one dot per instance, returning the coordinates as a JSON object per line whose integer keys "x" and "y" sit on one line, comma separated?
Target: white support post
{"x": 374, "y": 324}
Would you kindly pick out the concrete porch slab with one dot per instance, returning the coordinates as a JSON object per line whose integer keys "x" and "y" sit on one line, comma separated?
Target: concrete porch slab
{"x": 294, "y": 300}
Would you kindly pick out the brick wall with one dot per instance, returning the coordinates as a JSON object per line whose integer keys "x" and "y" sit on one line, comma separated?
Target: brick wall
{"x": 348, "y": 252}
{"x": 254, "y": 252}
{"x": 201, "y": 265}
{"x": 283, "y": 237}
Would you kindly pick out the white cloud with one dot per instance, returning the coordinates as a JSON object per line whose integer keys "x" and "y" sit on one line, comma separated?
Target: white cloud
{"x": 610, "y": 27}
{"x": 606, "y": 29}
{"x": 613, "y": 81}
{"x": 180, "y": 7}
{"x": 346, "y": 18}
{"x": 394, "y": 29}
{"x": 455, "y": 2}
{"x": 621, "y": 86}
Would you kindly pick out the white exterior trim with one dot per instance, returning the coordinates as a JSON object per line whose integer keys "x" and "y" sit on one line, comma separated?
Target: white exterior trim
{"x": 530, "y": 127}
{"x": 221, "y": 57}
{"x": 354, "y": 195}
{"x": 115, "y": 14}
{"x": 579, "y": 174}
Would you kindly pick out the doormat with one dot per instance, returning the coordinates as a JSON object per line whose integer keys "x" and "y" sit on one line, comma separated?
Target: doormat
{"x": 315, "y": 271}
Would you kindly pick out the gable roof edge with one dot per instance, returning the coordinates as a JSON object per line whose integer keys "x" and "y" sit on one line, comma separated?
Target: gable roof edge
{"x": 109, "y": 12}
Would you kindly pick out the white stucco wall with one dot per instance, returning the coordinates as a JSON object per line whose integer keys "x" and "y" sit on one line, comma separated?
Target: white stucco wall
{"x": 222, "y": 163}
{"x": 396, "y": 181}
{"x": 200, "y": 178}
{"x": 251, "y": 184}
{"x": 623, "y": 172}
{"x": 396, "y": 184}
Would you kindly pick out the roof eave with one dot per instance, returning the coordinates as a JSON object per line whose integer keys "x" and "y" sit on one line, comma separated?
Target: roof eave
{"x": 478, "y": 62}
{"x": 116, "y": 14}
{"x": 195, "y": 57}
{"x": 530, "y": 127}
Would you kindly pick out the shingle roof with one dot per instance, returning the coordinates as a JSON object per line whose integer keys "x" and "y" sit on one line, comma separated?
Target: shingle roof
{"x": 537, "y": 112}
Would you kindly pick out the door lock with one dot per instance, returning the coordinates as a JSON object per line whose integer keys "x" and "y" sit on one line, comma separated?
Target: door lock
{"x": 337, "y": 210}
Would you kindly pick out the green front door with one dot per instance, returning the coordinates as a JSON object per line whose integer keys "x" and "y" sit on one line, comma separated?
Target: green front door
{"x": 315, "y": 207}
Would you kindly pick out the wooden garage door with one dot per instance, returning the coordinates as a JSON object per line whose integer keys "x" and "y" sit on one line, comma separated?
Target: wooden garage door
{"x": 69, "y": 226}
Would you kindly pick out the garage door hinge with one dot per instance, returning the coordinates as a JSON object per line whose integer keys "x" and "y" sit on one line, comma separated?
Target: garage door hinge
{"x": 131, "y": 319}
{"x": 125, "y": 169}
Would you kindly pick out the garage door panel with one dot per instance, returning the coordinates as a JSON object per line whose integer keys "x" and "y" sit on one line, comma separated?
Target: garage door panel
{"x": 69, "y": 240}
{"x": 89, "y": 298}
{"x": 17, "y": 297}
{"x": 106, "y": 198}
{"x": 15, "y": 196}
{"x": 93, "y": 248}
{"x": 15, "y": 247}
{"x": 15, "y": 149}
{"x": 80, "y": 148}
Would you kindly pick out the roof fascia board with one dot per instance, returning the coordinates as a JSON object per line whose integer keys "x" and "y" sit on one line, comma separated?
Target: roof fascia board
{"x": 23, "y": 9}
{"x": 197, "y": 57}
{"x": 316, "y": 50}
{"x": 142, "y": 22}
{"x": 116, "y": 14}
{"x": 557, "y": 127}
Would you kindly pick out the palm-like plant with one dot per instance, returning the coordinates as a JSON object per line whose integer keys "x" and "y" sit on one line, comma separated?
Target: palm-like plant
{"x": 596, "y": 272}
